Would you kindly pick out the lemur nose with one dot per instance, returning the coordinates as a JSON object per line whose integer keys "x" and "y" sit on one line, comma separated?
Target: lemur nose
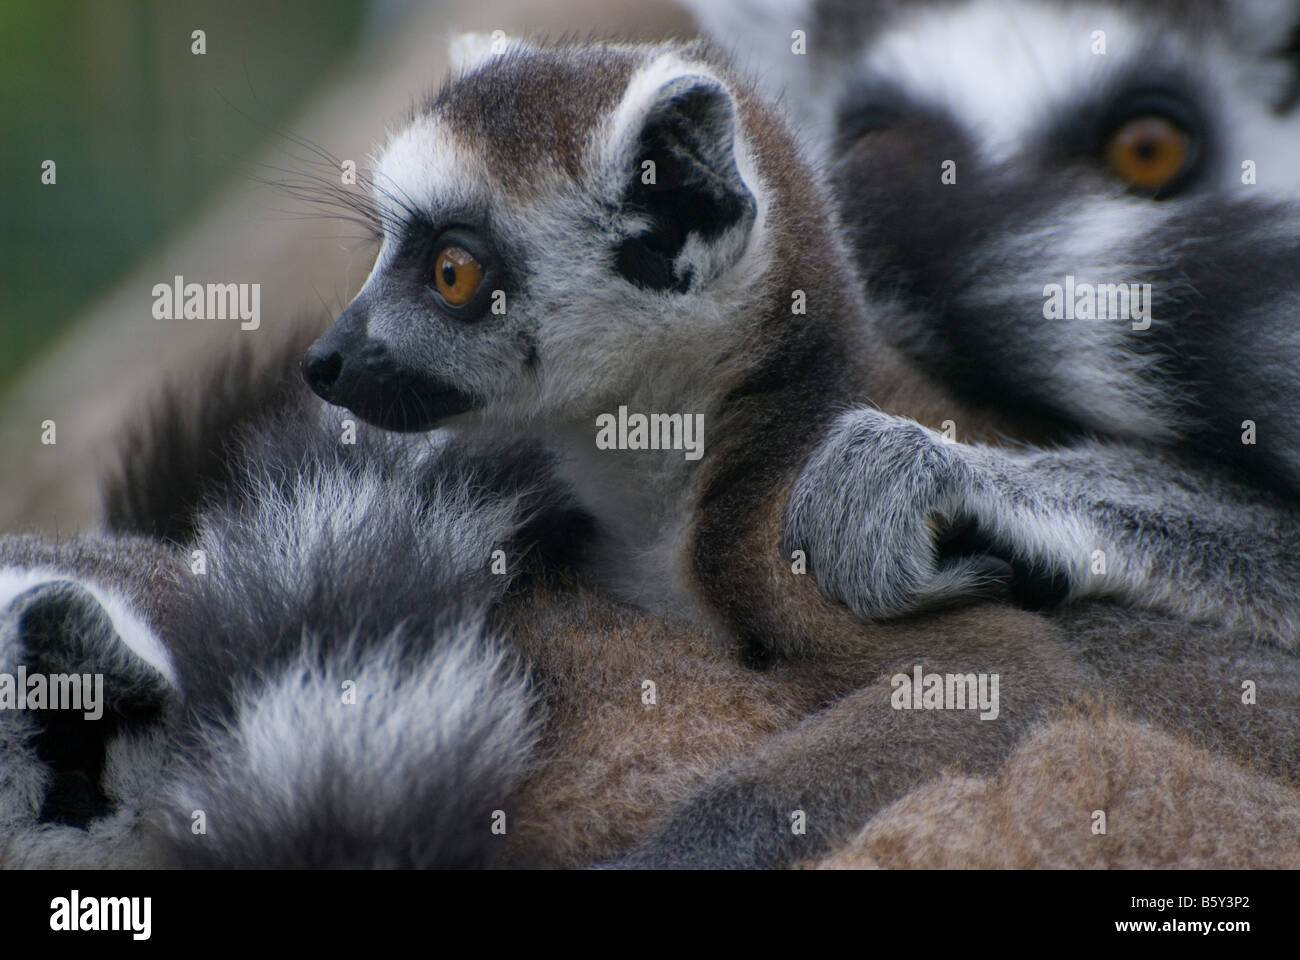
{"x": 321, "y": 368}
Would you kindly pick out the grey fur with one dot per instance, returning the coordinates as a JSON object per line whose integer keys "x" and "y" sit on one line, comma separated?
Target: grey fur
{"x": 407, "y": 775}
{"x": 1103, "y": 519}
{"x": 370, "y": 570}
{"x": 324, "y": 564}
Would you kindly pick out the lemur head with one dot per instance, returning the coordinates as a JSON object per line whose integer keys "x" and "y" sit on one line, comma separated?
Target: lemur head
{"x": 982, "y": 149}
{"x": 562, "y": 222}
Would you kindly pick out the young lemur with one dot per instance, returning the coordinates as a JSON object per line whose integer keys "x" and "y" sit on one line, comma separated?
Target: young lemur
{"x": 571, "y": 231}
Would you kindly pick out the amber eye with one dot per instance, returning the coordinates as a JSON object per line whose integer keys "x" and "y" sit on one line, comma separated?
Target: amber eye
{"x": 457, "y": 275}
{"x": 1148, "y": 151}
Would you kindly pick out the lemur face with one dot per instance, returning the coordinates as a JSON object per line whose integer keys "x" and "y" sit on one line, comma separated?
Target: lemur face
{"x": 981, "y": 150}
{"x": 552, "y": 219}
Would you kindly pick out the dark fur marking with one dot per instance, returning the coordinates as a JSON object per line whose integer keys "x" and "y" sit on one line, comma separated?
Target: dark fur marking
{"x": 693, "y": 193}
{"x": 72, "y": 746}
{"x": 178, "y": 454}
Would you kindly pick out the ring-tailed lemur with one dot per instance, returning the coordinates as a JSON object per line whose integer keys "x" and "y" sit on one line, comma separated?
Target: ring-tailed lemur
{"x": 574, "y": 236}
{"x": 1085, "y": 214}
{"x": 839, "y": 766}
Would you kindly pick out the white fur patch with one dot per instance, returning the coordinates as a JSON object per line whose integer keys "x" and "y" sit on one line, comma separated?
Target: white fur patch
{"x": 1000, "y": 67}
{"x": 132, "y": 630}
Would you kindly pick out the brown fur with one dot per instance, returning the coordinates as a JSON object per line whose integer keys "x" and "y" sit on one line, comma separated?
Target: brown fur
{"x": 612, "y": 765}
{"x": 533, "y": 111}
{"x": 1168, "y": 803}
{"x": 819, "y": 734}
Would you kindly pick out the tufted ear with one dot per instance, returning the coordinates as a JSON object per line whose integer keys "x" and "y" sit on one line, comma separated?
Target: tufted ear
{"x": 688, "y": 210}
{"x": 75, "y": 673}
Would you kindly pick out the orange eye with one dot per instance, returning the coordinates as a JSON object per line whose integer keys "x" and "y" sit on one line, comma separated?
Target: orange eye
{"x": 457, "y": 275}
{"x": 1148, "y": 151}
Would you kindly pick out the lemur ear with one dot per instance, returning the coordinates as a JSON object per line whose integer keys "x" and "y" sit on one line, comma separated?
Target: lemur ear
{"x": 688, "y": 207}
{"x": 70, "y": 626}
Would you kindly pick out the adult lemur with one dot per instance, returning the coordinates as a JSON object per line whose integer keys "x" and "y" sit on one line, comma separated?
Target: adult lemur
{"x": 570, "y": 234}
{"x": 990, "y": 157}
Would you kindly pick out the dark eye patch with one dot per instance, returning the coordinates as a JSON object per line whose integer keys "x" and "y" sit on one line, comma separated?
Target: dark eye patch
{"x": 1085, "y": 133}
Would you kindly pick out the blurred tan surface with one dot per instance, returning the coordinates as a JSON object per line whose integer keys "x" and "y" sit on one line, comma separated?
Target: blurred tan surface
{"x": 116, "y": 354}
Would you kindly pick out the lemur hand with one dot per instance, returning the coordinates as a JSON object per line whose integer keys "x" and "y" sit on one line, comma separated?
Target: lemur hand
{"x": 883, "y": 510}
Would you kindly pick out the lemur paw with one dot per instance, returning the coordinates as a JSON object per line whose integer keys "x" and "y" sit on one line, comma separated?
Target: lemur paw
{"x": 874, "y": 510}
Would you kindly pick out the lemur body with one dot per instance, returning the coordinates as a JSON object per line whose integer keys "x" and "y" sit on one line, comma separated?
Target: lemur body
{"x": 339, "y": 684}
{"x": 524, "y": 181}
{"x": 331, "y": 564}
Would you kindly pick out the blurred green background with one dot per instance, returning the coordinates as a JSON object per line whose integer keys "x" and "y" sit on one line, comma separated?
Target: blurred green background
{"x": 141, "y": 130}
